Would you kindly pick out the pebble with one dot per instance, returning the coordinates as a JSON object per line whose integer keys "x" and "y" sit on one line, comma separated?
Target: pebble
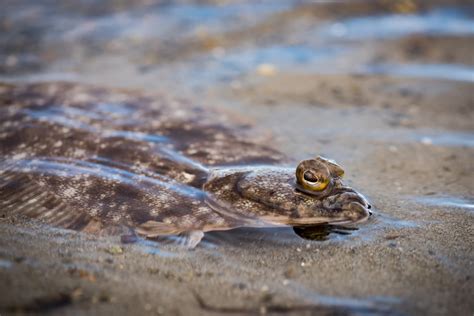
{"x": 266, "y": 70}
{"x": 115, "y": 250}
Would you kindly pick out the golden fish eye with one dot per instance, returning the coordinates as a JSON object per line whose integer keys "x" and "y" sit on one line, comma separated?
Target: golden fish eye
{"x": 311, "y": 181}
{"x": 313, "y": 176}
{"x": 310, "y": 177}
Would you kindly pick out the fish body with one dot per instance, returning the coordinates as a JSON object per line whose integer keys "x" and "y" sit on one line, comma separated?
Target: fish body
{"x": 104, "y": 160}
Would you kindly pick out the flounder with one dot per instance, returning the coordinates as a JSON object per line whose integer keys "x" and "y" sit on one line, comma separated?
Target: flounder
{"x": 103, "y": 160}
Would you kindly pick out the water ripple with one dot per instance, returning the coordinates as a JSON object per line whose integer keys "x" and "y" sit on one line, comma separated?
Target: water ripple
{"x": 437, "y": 22}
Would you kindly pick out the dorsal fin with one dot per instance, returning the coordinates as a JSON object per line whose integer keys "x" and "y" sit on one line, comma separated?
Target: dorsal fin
{"x": 21, "y": 195}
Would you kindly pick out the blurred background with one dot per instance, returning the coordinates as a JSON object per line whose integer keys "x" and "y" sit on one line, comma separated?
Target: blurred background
{"x": 195, "y": 45}
{"x": 254, "y": 56}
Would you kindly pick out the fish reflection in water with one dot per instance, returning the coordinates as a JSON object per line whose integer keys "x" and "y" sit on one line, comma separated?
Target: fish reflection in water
{"x": 156, "y": 167}
{"x": 322, "y": 232}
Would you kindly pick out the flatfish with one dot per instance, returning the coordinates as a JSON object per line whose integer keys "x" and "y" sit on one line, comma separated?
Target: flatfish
{"x": 104, "y": 160}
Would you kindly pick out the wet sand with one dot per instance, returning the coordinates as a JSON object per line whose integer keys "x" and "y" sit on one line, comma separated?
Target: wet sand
{"x": 404, "y": 136}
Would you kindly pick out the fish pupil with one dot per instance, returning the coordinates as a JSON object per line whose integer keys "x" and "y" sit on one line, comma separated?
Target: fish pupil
{"x": 309, "y": 176}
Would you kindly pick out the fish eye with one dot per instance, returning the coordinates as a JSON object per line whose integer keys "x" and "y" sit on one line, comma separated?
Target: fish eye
{"x": 312, "y": 176}
{"x": 312, "y": 181}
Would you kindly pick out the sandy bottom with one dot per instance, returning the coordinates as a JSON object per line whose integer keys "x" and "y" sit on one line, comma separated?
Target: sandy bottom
{"x": 404, "y": 135}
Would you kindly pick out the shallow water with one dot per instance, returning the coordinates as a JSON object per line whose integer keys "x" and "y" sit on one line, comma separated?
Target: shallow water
{"x": 436, "y": 71}
{"x": 452, "y": 202}
{"x": 385, "y": 90}
{"x": 441, "y": 21}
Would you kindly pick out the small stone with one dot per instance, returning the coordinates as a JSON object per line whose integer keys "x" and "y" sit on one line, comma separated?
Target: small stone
{"x": 265, "y": 288}
{"x": 58, "y": 144}
{"x": 266, "y": 70}
{"x": 115, "y": 250}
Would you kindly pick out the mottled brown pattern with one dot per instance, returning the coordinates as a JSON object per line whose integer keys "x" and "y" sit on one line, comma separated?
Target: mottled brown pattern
{"x": 101, "y": 160}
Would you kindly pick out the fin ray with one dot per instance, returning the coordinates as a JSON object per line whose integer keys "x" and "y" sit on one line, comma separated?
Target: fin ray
{"x": 21, "y": 195}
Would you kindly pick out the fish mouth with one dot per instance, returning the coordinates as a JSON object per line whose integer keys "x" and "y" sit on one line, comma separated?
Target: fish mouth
{"x": 354, "y": 206}
{"x": 342, "y": 206}
{"x": 363, "y": 212}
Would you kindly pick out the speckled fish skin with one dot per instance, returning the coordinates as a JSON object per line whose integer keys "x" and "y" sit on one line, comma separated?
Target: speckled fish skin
{"x": 99, "y": 160}
{"x": 96, "y": 159}
{"x": 270, "y": 195}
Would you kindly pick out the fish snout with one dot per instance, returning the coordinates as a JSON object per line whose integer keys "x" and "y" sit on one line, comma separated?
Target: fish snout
{"x": 354, "y": 205}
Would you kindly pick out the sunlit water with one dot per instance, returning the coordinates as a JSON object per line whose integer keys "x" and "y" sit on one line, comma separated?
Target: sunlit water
{"x": 445, "y": 21}
{"x": 448, "y": 202}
